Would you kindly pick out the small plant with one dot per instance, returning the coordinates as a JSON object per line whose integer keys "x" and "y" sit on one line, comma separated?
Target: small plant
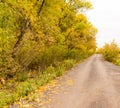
{"x": 22, "y": 76}
{"x": 68, "y": 63}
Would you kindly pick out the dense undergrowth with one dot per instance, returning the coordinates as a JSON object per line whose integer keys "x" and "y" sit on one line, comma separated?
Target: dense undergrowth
{"x": 39, "y": 41}
{"x": 13, "y": 91}
{"x": 24, "y": 82}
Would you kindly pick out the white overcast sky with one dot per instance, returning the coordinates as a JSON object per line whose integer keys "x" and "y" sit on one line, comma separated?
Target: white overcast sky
{"x": 105, "y": 16}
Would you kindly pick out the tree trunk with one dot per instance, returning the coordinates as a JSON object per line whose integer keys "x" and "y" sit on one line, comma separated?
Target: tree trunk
{"x": 43, "y": 1}
{"x": 20, "y": 38}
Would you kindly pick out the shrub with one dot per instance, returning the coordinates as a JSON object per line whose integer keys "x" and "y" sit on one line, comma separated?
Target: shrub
{"x": 111, "y": 52}
{"x": 68, "y": 63}
{"x": 8, "y": 67}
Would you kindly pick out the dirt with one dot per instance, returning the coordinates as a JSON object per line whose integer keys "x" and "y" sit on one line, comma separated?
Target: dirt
{"x": 95, "y": 83}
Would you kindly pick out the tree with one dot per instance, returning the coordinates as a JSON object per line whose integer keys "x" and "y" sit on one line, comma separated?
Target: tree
{"x": 32, "y": 29}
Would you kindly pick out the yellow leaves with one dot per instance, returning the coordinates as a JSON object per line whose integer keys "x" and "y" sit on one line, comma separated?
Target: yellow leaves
{"x": 1, "y": 30}
{"x": 33, "y": 18}
{"x": 111, "y": 52}
{"x": 26, "y": 106}
{"x": 58, "y": 33}
{"x": 81, "y": 18}
{"x": 28, "y": 10}
{"x": 70, "y": 82}
{"x": 81, "y": 22}
{"x": 38, "y": 96}
{"x": 41, "y": 90}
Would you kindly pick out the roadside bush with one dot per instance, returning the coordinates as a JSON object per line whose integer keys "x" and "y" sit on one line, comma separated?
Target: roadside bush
{"x": 76, "y": 54}
{"x": 8, "y": 67}
{"x": 21, "y": 76}
{"x": 50, "y": 56}
{"x": 68, "y": 63}
{"x": 111, "y": 52}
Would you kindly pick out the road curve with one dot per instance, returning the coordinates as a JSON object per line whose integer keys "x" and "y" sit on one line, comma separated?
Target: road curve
{"x": 95, "y": 83}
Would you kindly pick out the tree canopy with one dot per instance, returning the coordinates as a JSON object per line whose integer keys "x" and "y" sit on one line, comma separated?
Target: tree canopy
{"x": 30, "y": 28}
{"x": 37, "y": 35}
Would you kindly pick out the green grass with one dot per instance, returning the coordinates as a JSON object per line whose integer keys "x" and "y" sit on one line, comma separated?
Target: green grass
{"x": 12, "y": 92}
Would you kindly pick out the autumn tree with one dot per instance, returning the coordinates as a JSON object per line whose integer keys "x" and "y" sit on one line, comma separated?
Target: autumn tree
{"x": 39, "y": 33}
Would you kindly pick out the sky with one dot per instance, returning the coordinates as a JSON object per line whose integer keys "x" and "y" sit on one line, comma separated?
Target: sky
{"x": 105, "y": 16}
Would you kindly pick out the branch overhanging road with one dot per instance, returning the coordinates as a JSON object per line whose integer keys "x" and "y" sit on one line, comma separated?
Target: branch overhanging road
{"x": 94, "y": 83}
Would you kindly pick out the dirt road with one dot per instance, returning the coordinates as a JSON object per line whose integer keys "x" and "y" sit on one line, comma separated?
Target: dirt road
{"x": 93, "y": 84}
